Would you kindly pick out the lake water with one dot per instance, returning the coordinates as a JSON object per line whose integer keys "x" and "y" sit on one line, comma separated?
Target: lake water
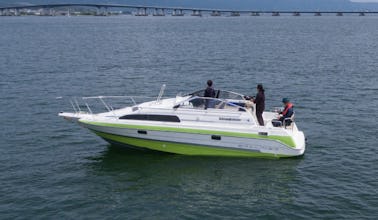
{"x": 54, "y": 169}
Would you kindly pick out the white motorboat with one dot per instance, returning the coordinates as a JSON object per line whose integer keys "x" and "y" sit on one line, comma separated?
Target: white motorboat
{"x": 192, "y": 125}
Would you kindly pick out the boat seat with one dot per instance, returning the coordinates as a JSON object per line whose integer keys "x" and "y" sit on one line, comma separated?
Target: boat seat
{"x": 287, "y": 122}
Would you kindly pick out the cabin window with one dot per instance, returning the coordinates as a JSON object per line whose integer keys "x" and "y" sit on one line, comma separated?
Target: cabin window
{"x": 145, "y": 117}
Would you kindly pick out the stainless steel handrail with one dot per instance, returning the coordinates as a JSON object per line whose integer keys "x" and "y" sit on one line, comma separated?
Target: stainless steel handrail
{"x": 226, "y": 101}
{"x": 76, "y": 107}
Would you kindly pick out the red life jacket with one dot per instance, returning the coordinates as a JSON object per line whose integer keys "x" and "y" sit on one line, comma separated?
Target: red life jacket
{"x": 287, "y": 107}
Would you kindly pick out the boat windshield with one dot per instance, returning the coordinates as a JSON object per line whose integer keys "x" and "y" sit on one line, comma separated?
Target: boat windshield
{"x": 196, "y": 102}
{"x": 220, "y": 94}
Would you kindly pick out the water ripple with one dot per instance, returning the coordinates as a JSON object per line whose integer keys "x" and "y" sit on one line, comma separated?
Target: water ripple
{"x": 51, "y": 168}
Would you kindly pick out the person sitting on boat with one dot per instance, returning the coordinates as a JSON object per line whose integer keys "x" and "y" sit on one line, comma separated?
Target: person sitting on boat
{"x": 287, "y": 112}
{"x": 210, "y": 93}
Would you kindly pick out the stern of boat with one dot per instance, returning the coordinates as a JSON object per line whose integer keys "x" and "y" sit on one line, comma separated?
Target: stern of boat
{"x": 299, "y": 139}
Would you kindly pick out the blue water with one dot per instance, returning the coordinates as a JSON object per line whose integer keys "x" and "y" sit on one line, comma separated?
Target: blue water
{"x": 54, "y": 169}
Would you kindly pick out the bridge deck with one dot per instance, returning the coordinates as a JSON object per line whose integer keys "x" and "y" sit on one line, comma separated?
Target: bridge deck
{"x": 297, "y": 12}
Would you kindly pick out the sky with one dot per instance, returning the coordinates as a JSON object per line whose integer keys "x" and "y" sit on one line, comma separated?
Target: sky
{"x": 364, "y": 1}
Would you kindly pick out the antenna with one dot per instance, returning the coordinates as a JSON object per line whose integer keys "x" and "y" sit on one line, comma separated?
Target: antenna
{"x": 161, "y": 93}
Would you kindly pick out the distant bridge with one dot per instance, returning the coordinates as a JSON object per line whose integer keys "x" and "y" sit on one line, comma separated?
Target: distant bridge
{"x": 142, "y": 10}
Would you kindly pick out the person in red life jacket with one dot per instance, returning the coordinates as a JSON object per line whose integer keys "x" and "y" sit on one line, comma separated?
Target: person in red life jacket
{"x": 287, "y": 112}
{"x": 260, "y": 104}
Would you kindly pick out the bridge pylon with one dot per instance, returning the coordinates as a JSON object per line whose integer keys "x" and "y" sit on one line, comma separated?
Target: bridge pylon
{"x": 235, "y": 14}
{"x": 141, "y": 12}
{"x": 159, "y": 12}
{"x": 196, "y": 13}
{"x": 215, "y": 13}
{"x": 102, "y": 11}
{"x": 177, "y": 12}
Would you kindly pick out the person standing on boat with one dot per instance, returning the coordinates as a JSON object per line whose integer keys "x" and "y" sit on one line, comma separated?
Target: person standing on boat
{"x": 288, "y": 110}
{"x": 210, "y": 93}
{"x": 260, "y": 104}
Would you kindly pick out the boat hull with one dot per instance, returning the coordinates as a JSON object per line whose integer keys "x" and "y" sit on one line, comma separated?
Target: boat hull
{"x": 194, "y": 142}
{"x": 180, "y": 148}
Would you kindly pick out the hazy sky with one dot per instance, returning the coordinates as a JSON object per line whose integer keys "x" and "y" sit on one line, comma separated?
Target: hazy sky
{"x": 364, "y": 1}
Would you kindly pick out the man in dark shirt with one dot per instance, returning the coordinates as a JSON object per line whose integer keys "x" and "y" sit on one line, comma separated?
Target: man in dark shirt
{"x": 260, "y": 104}
{"x": 210, "y": 93}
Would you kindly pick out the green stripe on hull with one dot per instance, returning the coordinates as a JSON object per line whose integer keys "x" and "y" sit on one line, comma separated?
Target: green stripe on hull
{"x": 288, "y": 141}
{"x": 185, "y": 149}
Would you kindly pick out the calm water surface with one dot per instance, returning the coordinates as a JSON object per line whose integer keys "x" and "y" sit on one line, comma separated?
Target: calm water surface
{"x": 54, "y": 169}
